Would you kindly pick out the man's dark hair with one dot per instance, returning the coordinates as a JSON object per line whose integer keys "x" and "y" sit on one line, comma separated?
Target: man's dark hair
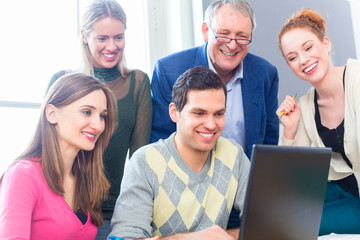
{"x": 197, "y": 78}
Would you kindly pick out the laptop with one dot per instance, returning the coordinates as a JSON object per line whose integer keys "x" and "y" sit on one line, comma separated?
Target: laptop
{"x": 285, "y": 193}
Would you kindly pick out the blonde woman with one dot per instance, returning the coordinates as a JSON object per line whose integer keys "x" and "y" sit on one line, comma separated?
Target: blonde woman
{"x": 103, "y": 43}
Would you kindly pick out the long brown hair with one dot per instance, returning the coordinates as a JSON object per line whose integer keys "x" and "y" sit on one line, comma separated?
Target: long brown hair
{"x": 91, "y": 184}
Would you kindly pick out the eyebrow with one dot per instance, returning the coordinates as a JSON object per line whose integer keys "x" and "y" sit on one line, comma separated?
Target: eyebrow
{"x": 88, "y": 106}
{"x": 103, "y": 35}
{"x": 92, "y": 107}
{"x": 306, "y": 42}
{"x": 302, "y": 45}
{"x": 203, "y": 110}
{"x": 228, "y": 31}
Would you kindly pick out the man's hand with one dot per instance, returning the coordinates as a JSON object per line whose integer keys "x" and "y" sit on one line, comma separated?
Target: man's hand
{"x": 234, "y": 232}
{"x": 153, "y": 238}
{"x": 215, "y": 232}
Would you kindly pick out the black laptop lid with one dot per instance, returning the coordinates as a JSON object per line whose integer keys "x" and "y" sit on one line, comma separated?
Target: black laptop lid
{"x": 285, "y": 193}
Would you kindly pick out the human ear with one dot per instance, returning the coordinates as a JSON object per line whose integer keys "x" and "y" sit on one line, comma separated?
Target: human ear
{"x": 84, "y": 37}
{"x": 205, "y": 29}
{"x": 327, "y": 44}
{"x": 50, "y": 113}
{"x": 173, "y": 112}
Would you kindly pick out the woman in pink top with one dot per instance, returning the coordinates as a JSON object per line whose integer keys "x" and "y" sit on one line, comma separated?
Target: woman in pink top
{"x": 54, "y": 189}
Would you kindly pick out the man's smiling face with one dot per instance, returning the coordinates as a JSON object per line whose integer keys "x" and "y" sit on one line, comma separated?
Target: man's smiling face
{"x": 230, "y": 23}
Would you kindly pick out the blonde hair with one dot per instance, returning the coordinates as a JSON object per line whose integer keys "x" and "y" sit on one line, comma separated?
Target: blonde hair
{"x": 96, "y": 10}
{"x": 305, "y": 18}
{"x": 91, "y": 184}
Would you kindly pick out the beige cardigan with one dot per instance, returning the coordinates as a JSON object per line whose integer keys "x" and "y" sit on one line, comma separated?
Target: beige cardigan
{"x": 307, "y": 134}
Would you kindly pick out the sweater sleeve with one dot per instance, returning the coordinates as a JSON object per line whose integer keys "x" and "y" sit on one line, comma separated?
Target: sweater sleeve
{"x": 134, "y": 207}
{"x": 302, "y": 138}
{"x": 352, "y": 119}
{"x": 18, "y": 196}
{"x": 142, "y": 129}
{"x": 356, "y": 110}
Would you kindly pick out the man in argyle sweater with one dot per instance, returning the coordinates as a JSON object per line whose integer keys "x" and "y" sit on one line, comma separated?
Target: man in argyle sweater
{"x": 185, "y": 186}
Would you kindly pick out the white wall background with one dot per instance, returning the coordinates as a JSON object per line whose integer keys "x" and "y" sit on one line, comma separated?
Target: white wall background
{"x": 271, "y": 15}
{"x": 171, "y": 27}
{"x": 41, "y": 38}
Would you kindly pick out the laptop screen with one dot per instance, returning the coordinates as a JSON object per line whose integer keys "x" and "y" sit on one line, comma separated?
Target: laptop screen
{"x": 285, "y": 193}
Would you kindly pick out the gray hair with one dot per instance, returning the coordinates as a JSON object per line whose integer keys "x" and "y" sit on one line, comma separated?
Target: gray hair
{"x": 239, "y": 5}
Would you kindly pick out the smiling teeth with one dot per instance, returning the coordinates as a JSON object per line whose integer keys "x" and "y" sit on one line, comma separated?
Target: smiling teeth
{"x": 207, "y": 134}
{"x": 228, "y": 54}
{"x": 88, "y": 134}
{"x": 310, "y": 68}
{"x": 108, "y": 55}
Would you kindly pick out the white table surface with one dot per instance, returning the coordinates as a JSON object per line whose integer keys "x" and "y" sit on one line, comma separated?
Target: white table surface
{"x": 340, "y": 237}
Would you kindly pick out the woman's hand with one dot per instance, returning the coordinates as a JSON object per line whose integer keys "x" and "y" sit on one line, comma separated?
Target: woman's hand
{"x": 289, "y": 114}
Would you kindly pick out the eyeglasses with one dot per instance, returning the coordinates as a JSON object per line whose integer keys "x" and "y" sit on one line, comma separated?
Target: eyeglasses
{"x": 241, "y": 41}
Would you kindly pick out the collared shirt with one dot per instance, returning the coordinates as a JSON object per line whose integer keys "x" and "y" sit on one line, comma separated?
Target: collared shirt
{"x": 234, "y": 115}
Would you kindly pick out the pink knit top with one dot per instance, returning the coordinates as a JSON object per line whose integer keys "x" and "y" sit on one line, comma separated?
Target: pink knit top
{"x": 30, "y": 210}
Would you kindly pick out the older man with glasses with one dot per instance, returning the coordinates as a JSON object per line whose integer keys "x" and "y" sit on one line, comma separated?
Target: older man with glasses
{"x": 251, "y": 81}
